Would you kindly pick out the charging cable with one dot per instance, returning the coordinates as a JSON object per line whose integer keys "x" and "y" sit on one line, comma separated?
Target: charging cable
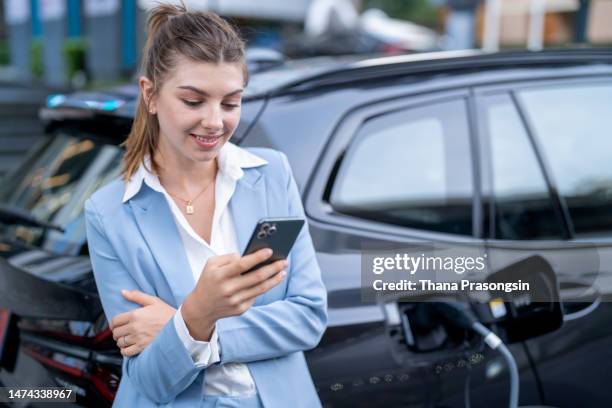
{"x": 460, "y": 314}
{"x": 497, "y": 344}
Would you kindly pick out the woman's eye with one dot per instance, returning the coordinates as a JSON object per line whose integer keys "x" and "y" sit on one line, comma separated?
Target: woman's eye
{"x": 231, "y": 105}
{"x": 191, "y": 103}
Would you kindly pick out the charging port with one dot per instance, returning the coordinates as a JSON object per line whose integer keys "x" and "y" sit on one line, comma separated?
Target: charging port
{"x": 419, "y": 335}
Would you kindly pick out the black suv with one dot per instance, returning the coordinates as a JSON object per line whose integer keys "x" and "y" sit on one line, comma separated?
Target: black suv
{"x": 510, "y": 151}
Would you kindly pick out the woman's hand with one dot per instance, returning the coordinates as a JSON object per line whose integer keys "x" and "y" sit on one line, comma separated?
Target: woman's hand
{"x": 222, "y": 290}
{"x": 134, "y": 330}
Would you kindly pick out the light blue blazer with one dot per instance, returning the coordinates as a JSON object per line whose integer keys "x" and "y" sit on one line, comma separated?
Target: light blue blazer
{"x": 136, "y": 245}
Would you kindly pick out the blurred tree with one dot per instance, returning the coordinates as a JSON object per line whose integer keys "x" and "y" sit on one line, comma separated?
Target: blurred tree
{"x": 4, "y": 53}
{"x": 36, "y": 57}
{"x": 416, "y": 11}
{"x": 74, "y": 52}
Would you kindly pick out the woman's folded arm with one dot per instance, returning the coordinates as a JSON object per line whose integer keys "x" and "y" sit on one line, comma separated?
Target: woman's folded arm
{"x": 165, "y": 367}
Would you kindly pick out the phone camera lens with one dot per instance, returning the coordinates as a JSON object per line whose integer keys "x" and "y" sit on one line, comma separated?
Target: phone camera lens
{"x": 263, "y": 230}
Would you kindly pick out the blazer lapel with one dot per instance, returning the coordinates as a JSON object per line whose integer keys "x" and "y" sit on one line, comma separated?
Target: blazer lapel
{"x": 248, "y": 205}
{"x": 157, "y": 225}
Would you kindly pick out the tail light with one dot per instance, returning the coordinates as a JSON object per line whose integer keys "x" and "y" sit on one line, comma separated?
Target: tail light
{"x": 81, "y": 353}
{"x": 8, "y": 340}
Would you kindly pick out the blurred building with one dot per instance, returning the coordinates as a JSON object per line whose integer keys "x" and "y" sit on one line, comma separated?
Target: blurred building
{"x": 64, "y": 40}
{"x": 272, "y": 10}
{"x": 599, "y": 28}
{"x": 72, "y": 42}
{"x": 561, "y": 21}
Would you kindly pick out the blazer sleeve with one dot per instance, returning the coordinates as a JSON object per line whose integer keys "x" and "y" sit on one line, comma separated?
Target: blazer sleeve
{"x": 293, "y": 324}
{"x": 165, "y": 367}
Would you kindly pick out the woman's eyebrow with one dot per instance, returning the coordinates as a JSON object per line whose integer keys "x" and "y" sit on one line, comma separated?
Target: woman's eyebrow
{"x": 204, "y": 93}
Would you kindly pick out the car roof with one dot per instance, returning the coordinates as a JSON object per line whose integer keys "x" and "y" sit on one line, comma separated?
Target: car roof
{"x": 447, "y": 62}
{"x": 312, "y": 73}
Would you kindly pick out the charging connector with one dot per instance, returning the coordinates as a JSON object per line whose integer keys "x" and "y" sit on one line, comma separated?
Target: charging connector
{"x": 461, "y": 315}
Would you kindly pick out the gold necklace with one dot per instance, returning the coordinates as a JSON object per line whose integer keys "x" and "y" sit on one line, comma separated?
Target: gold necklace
{"x": 189, "y": 203}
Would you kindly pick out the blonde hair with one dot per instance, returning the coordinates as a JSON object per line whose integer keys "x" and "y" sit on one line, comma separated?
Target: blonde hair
{"x": 173, "y": 31}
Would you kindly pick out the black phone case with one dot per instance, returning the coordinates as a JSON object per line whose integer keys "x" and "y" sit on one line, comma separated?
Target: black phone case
{"x": 279, "y": 234}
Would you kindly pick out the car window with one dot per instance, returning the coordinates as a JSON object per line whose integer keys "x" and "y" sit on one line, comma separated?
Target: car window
{"x": 62, "y": 176}
{"x": 573, "y": 127}
{"x": 410, "y": 168}
{"x": 523, "y": 205}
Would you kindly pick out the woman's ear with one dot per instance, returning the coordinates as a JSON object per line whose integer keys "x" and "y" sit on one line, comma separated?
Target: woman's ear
{"x": 146, "y": 89}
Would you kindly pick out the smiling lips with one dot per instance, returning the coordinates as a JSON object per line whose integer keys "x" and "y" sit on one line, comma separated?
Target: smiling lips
{"x": 206, "y": 141}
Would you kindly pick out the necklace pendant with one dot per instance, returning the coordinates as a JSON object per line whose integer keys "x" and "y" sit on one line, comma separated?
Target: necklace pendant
{"x": 189, "y": 208}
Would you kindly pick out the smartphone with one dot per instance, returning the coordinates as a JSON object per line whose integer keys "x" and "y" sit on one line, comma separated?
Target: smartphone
{"x": 278, "y": 234}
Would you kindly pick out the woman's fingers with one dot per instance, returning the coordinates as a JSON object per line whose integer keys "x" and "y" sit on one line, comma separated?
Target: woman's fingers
{"x": 125, "y": 341}
{"x": 131, "y": 350}
{"x": 134, "y": 330}
{"x": 262, "y": 287}
{"x": 247, "y": 262}
{"x": 261, "y": 274}
{"x": 221, "y": 260}
{"x": 129, "y": 346}
{"x": 120, "y": 320}
{"x": 121, "y": 331}
{"x": 240, "y": 289}
{"x": 136, "y": 296}
{"x": 218, "y": 292}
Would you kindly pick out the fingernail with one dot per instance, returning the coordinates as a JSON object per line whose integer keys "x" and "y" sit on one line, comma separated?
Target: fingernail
{"x": 123, "y": 292}
{"x": 285, "y": 263}
{"x": 268, "y": 252}
{"x": 283, "y": 274}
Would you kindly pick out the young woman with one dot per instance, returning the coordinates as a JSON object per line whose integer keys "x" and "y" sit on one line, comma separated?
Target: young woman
{"x": 164, "y": 239}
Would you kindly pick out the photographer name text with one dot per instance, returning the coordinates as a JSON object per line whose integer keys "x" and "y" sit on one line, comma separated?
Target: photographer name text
{"x": 464, "y": 284}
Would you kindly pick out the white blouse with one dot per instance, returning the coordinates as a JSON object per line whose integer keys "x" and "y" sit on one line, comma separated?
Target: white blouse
{"x": 233, "y": 379}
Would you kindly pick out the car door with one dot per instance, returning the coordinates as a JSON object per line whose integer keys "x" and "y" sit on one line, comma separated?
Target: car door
{"x": 547, "y": 188}
{"x": 399, "y": 171}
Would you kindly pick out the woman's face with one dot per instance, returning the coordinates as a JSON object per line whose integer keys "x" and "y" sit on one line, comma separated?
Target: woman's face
{"x": 198, "y": 108}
